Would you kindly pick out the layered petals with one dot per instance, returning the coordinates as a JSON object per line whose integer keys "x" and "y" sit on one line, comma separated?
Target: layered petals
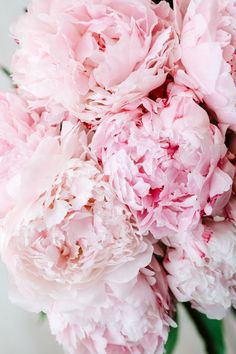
{"x": 139, "y": 324}
{"x": 167, "y": 162}
{"x": 68, "y": 235}
{"x": 204, "y": 273}
{"x": 208, "y": 42}
{"x": 87, "y": 57}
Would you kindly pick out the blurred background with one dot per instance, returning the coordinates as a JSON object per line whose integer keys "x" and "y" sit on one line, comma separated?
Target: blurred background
{"x": 23, "y": 333}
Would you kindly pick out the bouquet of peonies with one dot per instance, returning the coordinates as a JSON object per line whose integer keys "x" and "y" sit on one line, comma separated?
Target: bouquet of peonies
{"x": 118, "y": 154}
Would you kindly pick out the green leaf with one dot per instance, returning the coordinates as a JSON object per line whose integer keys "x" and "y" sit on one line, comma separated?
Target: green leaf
{"x": 42, "y": 316}
{"x": 211, "y": 331}
{"x": 5, "y": 71}
{"x": 172, "y": 338}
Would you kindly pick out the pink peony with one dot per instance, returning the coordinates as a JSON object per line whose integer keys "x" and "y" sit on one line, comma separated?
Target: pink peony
{"x": 90, "y": 56}
{"x": 166, "y": 162}
{"x": 208, "y": 42}
{"x": 68, "y": 235}
{"x": 15, "y": 125}
{"x": 205, "y": 273}
{"x": 134, "y": 324}
{"x": 19, "y": 136}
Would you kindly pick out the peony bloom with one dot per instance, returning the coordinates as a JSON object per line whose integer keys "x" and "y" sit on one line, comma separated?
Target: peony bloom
{"x": 68, "y": 235}
{"x": 19, "y": 136}
{"x": 90, "y": 56}
{"x": 208, "y": 42}
{"x": 139, "y": 324}
{"x": 166, "y": 162}
{"x": 15, "y": 125}
{"x": 206, "y": 274}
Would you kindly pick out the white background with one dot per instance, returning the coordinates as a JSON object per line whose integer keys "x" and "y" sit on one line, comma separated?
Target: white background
{"x": 23, "y": 333}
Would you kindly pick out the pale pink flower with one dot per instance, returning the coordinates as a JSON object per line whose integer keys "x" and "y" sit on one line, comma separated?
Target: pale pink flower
{"x": 68, "y": 234}
{"x": 90, "y": 56}
{"x": 15, "y": 125}
{"x": 208, "y": 42}
{"x": 204, "y": 271}
{"x": 136, "y": 323}
{"x": 18, "y": 138}
{"x": 167, "y": 162}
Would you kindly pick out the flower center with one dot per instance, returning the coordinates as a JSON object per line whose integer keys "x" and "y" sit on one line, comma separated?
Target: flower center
{"x": 100, "y": 41}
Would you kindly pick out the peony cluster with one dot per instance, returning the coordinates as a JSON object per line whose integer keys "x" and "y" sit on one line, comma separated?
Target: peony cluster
{"x": 117, "y": 173}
